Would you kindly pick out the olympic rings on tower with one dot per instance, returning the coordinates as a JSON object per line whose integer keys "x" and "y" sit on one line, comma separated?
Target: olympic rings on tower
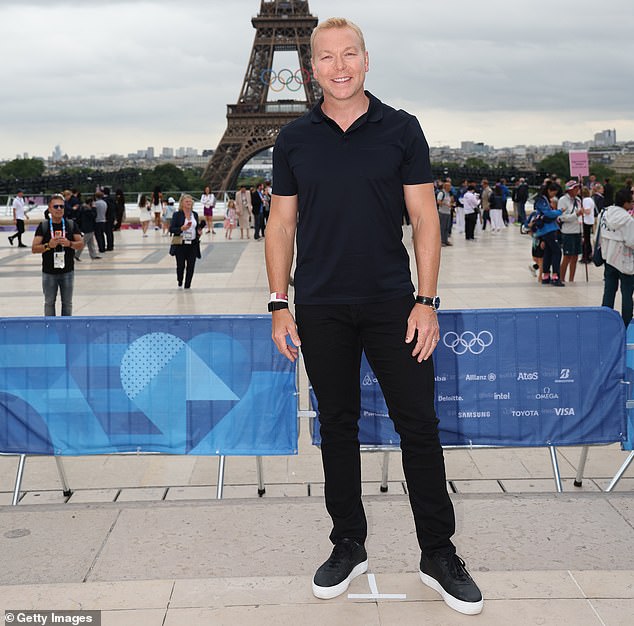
{"x": 285, "y": 78}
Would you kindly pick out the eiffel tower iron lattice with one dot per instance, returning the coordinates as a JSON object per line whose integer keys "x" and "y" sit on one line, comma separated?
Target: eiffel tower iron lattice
{"x": 254, "y": 122}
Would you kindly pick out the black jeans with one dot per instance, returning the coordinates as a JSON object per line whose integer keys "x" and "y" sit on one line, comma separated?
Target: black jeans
{"x": 333, "y": 337}
{"x": 470, "y": 221}
{"x": 186, "y": 255}
{"x": 100, "y": 237}
{"x": 552, "y": 253}
{"x": 258, "y": 223}
{"x": 612, "y": 277}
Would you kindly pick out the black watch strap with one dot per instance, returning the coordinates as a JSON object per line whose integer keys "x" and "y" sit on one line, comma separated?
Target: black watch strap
{"x": 434, "y": 302}
{"x": 277, "y": 306}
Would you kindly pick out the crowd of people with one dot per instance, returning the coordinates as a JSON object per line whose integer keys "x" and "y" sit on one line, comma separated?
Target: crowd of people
{"x": 96, "y": 218}
{"x": 472, "y": 206}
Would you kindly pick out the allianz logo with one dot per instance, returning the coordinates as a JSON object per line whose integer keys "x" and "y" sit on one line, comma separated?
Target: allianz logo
{"x": 547, "y": 394}
{"x": 491, "y": 376}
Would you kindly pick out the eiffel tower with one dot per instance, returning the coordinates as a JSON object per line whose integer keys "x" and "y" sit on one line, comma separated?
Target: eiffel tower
{"x": 254, "y": 122}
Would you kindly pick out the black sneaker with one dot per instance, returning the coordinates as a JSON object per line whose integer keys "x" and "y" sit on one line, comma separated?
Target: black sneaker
{"x": 347, "y": 561}
{"x": 447, "y": 574}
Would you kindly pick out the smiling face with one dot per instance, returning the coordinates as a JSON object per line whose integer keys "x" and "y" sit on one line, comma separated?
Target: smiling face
{"x": 339, "y": 63}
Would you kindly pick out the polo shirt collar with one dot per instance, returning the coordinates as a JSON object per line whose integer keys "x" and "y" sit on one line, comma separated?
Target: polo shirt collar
{"x": 373, "y": 114}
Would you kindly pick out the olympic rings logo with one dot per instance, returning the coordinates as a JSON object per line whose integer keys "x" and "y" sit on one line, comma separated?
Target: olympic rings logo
{"x": 468, "y": 341}
{"x": 285, "y": 78}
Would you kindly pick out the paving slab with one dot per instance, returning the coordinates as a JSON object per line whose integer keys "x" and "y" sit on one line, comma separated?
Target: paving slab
{"x": 59, "y": 545}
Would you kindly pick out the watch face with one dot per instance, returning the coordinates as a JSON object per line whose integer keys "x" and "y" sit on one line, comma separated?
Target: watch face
{"x": 436, "y": 302}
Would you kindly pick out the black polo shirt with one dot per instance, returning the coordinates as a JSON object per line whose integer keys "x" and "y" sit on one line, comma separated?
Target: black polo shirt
{"x": 350, "y": 195}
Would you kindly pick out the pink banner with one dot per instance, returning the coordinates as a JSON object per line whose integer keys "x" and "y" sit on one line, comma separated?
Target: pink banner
{"x": 579, "y": 163}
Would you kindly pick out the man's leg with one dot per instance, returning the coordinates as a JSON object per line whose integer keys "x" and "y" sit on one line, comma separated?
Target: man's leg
{"x": 20, "y": 227}
{"x": 610, "y": 285}
{"x": 332, "y": 353}
{"x": 49, "y": 287}
{"x": 408, "y": 388}
{"x": 66, "y": 282}
{"x": 627, "y": 287}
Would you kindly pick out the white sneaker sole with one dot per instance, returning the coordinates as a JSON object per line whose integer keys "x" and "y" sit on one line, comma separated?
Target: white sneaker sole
{"x": 466, "y": 608}
{"x": 327, "y": 593}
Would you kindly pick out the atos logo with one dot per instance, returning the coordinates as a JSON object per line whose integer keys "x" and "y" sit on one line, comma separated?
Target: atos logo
{"x": 565, "y": 410}
{"x": 527, "y": 376}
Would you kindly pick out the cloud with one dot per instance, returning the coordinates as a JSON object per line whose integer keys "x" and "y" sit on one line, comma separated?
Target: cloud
{"x": 114, "y": 76}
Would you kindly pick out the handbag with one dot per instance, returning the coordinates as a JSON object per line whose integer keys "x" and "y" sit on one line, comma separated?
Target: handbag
{"x": 597, "y": 257}
{"x": 177, "y": 240}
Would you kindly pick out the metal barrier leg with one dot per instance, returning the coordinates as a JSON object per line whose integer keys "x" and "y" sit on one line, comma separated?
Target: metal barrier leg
{"x": 221, "y": 476}
{"x": 384, "y": 474}
{"x": 18, "y": 480}
{"x": 621, "y": 471}
{"x": 62, "y": 476}
{"x": 553, "y": 458}
{"x": 582, "y": 466}
{"x": 260, "y": 471}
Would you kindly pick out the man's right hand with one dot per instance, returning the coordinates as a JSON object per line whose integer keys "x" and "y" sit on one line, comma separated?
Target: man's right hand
{"x": 283, "y": 326}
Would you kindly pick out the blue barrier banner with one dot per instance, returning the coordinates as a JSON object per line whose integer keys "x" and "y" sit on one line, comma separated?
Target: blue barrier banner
{"x": 628, "y": 444}
{"x": 518, "y": 377}
{"x": 200, "y": 385}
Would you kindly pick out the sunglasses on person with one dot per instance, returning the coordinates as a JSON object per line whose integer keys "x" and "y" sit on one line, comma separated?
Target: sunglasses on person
{"x": 57, "y": 206}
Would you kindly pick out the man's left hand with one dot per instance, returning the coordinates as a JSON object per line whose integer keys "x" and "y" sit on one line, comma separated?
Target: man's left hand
{"x": 422, "y": 323}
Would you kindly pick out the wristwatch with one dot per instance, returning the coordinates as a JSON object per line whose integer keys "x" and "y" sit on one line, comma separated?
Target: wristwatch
{"x": 277, "y": 306}
{"x": 434, "y": 302}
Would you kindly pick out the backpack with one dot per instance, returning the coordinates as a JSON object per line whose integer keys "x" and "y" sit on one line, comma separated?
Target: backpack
{"x": 597, "y": 256}
{"x": 535, "y": 221}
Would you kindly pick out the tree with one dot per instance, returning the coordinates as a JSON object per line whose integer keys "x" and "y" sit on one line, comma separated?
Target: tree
{"x": 475, "y": 163}
{"x": 22, "y": 169}
{"x": 557, "y": 163}
{"x": 166, "y": 176}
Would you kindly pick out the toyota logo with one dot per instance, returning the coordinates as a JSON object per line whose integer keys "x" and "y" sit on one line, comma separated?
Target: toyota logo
{"x": 468, "y": 341}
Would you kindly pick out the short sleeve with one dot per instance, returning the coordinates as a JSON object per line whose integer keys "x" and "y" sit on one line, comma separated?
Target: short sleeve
{"x": 284, "y": 183}
{"x": 416, "y": 166}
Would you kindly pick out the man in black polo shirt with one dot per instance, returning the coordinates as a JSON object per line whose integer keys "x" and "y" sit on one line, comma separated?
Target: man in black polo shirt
{"x": 342, "y": 175}
{"x": 57, "y": 239}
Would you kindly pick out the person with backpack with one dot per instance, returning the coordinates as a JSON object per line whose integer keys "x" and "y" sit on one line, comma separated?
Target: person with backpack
{"x": 57, "y": 240}
{"x": 547, "y": 229}
{"x": 444, "y": 201}
{"x": 617, "y": 249}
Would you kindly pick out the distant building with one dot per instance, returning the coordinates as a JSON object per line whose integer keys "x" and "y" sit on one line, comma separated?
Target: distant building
{"x": 149, "y": 153}
{"x": 605, "y": 138}
{"x": 167, "y": 153}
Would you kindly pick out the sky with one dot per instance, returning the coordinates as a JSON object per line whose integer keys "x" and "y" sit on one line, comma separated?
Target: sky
{"x": 100, "y": 77}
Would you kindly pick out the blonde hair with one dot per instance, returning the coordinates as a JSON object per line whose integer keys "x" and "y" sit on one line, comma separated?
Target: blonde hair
{"x": 335, "y": 22}
{"x": 184, "y": 197}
